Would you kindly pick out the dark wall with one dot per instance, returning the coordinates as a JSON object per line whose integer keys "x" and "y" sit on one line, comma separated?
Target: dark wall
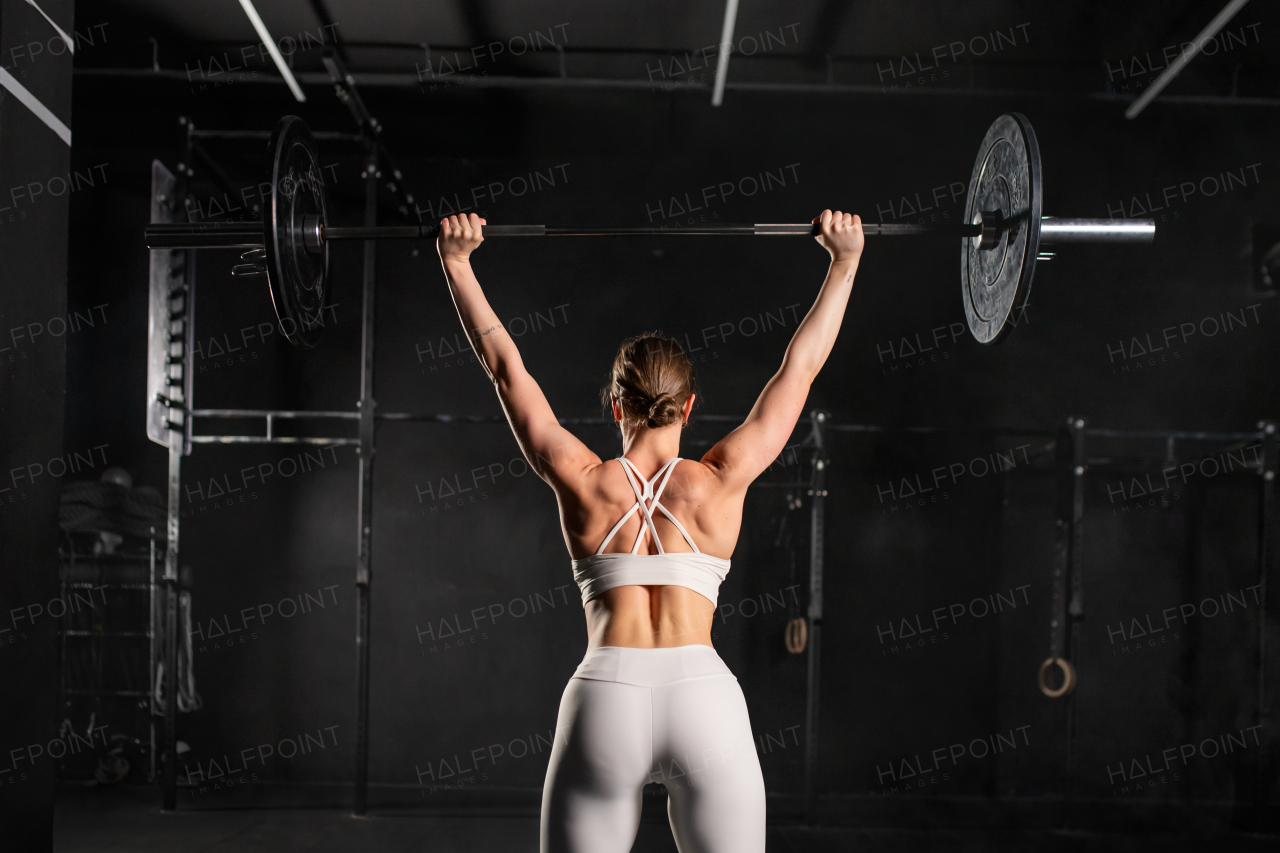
{"x": 33, "y": 312}
{"x": 450, "y": 542}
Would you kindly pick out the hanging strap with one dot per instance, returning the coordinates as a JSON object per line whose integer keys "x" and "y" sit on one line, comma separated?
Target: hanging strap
{"x": 648, "y": 493}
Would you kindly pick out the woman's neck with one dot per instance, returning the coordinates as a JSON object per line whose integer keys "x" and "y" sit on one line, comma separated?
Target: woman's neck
{"x": 649, "y": 449}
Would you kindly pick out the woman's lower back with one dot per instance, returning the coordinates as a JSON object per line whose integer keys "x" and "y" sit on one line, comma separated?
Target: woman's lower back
{"x": 649, "y": 617}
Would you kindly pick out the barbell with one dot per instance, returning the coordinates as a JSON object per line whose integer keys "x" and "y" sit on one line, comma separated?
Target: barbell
{"x": 1000, "y": 232}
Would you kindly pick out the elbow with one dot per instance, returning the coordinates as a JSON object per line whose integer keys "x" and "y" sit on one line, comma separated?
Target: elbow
{"x": 804, "y": 361}
{"x": 503, "y": 374}
{"x": 800, "y": 370}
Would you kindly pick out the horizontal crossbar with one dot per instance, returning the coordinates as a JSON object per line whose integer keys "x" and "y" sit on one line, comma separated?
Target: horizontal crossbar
{"x": 447, "y": 418}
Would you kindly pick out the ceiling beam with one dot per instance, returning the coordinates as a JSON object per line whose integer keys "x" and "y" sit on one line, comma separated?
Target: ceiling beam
{"x": 1219, "y": 21}
{"x": 270, "y": 44}
{"x": 401, "y": 79}
{"x": 725, "y": 48}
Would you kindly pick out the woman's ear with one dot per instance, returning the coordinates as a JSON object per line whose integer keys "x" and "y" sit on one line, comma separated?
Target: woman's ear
{"x": 688, "y": 406}
{"x": 617, "y": 410}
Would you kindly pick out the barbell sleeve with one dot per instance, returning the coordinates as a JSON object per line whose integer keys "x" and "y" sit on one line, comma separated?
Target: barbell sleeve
{"x": 204, "y": 235}
{"x": 1053, "y": 230}
{"x": 371, "y": 232}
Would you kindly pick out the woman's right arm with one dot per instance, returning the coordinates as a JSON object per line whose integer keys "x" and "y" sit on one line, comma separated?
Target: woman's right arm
{"x": 743, "y": 454}
{"x": 555, "y": 454}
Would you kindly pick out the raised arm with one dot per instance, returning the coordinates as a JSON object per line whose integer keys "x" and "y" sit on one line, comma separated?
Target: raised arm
{"x": 554, "y": 453}
{"x": 743, "y": 454}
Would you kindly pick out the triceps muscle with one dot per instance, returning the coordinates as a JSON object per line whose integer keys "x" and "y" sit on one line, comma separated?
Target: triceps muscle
{"x": 554, "y": 453}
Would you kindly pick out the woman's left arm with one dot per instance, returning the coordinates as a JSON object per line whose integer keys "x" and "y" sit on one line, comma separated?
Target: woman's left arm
{"x": 554, "y": 453}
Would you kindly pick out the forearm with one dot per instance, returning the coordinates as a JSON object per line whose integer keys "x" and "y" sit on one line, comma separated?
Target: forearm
{"x": 816, "y": 334}
{"x": 490, "y": 341}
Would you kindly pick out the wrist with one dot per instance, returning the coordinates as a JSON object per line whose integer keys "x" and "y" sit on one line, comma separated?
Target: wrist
{"x": 456, "y": 259}
{"x": 845, "y": 260}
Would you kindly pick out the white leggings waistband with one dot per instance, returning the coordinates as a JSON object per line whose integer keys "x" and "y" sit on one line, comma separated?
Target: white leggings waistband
{"x": 651, "y": 667}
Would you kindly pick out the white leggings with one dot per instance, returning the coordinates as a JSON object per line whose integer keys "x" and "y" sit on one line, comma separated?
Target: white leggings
{"x": 633, "y": 716}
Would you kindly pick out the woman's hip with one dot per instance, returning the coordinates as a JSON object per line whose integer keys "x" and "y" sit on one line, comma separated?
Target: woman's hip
{"x": 655, "y": 704}
{"x": 651, "y": 667}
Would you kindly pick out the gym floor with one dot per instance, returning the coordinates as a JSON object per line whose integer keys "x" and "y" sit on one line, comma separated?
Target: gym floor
{"x": 123, "y": 819}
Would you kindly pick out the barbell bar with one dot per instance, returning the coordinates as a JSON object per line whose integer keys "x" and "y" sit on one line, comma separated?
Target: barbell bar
{"x": 1000, "y": 232}
{"x": 248, "y": 235}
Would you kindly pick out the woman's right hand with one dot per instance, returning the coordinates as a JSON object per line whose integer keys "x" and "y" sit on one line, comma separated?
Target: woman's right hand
{"x": 840, "y": 234}
{"x": 459, "y": 236}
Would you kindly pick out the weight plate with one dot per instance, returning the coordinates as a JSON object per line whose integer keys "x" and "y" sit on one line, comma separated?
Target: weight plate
{"x": 299, "y": 278}
{"x": 1005, "y": 185}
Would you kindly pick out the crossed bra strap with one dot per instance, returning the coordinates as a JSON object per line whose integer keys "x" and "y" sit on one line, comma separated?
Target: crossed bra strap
{"x": 646, "y": 510}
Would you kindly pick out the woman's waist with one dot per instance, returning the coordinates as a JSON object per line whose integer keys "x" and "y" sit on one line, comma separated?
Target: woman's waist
{"x": 647, "y": 617}
{"x": 651, "y": 667}
{"x": 675, "y": 612}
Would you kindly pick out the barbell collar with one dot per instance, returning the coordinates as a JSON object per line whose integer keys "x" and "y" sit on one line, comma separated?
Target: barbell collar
{"x": 311, "y": 234}
{"x": 993, "y": 225}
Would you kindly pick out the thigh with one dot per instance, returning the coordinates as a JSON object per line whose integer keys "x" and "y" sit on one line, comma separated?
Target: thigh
{"x": 707, "y": 758}
{"x": 598, "y": 767}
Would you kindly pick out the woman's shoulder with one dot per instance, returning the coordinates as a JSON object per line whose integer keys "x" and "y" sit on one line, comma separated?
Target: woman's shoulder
{"x": 598, "y": 480}
{"x": 694, "y": 480}
{"x": 606, "y": 481}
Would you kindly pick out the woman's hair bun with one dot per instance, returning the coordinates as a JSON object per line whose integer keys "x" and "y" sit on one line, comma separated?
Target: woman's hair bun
{"x": 652, "y": 378}
{"x": 662, "y": 411}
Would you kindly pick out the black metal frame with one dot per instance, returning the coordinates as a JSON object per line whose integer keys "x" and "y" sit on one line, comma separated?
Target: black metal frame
{"x": 1068, "y": 594}
{"x": 817, "y": 554}
{"x": 1266, "y": 555}
{"x": 1067, "y": 611}
{"x": 1072, "y": 465}
{"x": 179, "y": 437}
{"x": 364, "y": 533}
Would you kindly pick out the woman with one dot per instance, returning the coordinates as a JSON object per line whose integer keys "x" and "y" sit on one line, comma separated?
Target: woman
{"x": 650, "y": 536}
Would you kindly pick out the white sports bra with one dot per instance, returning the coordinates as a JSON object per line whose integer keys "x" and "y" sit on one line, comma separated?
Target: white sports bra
{"x": 699, "y": 572}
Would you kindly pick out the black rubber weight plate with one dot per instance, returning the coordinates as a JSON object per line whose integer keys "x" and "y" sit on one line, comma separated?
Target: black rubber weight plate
{"x": 1006, "y": 179}
{"x": 299, "y": 279}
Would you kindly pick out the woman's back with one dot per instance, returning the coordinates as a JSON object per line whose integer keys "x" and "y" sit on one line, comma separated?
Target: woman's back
{"x": 693, "y": 493}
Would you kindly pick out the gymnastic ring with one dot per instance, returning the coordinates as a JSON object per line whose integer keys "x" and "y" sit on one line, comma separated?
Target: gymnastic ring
{"x": 1068, "y": 678}
{"x": 797, "y": 635}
